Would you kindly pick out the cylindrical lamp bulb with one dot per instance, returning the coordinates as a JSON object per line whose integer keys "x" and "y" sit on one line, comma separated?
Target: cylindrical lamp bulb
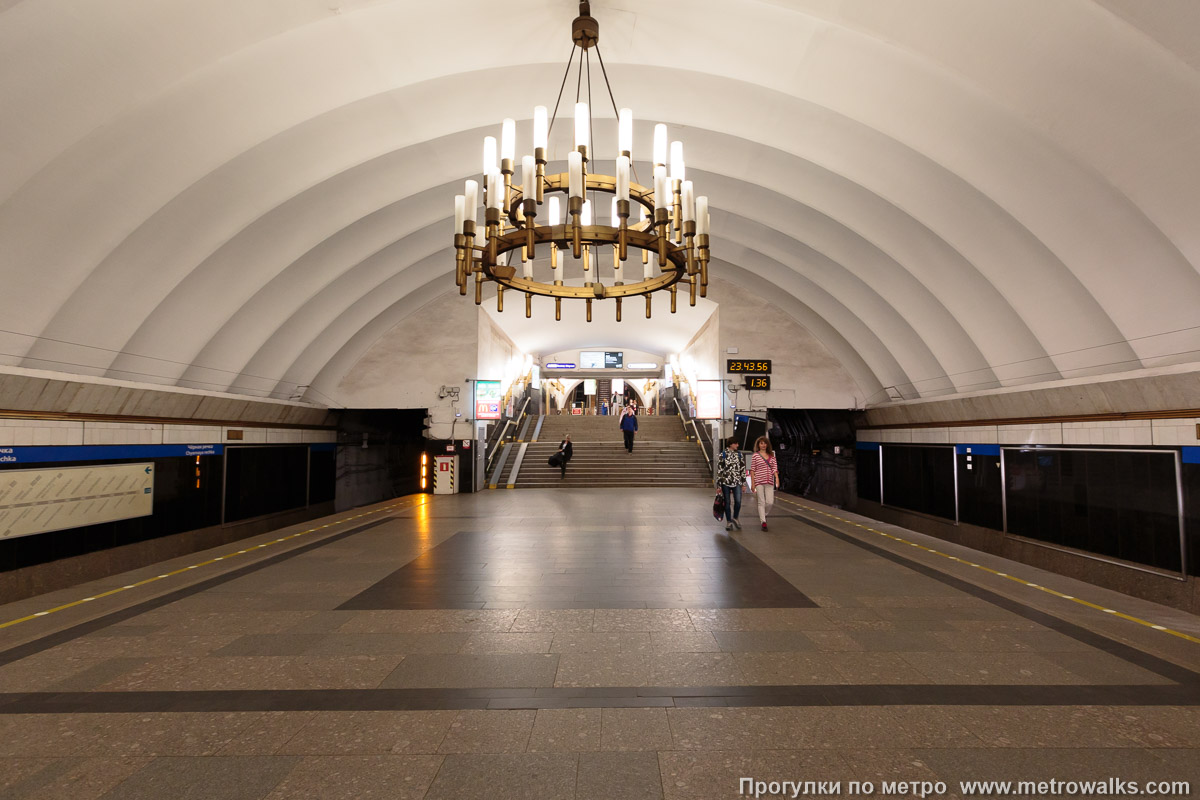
{"x": 689, "y": 202}
{"x": 495, "y": 189}
{"x": 625, "y": 131}
{"x": 471, "y": 205}
{"x": 622, "y": 178}
{"x": 528, "y": 178}
{"x": 660, "y": 144}
{"x": 582, "y": 122}
{"x": 702, "y": 215}
{"x": 460, "y": 212}
{"x": 540, "y": 127}
{"x": 586, "y": 216}
{"x": 575, "y": 173}
{"x": 614, "y": 217}
{"x": 489, "y": 154}
{"x": 508, "y": 140}
{"x": 677, "y": 161}
{"x": 555, "y": 218}
{"x": 662, "y": 197}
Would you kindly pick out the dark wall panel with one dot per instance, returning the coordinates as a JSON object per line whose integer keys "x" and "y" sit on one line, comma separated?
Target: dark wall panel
{"x": 389, "y": 465}
{"x": 815, "y": 451}
{"x": 1119, "y": 504}
{"x": 264, "y": 480}
{"x": 1191, "y": 508}
{"x": 867, "y": 471}
{"x": 919, "y": 479}
{"x": 322, "y": 479}
{"x": 980, "y": 490}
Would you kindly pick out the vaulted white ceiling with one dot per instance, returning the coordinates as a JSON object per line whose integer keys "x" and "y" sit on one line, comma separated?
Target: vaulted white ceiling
{"x": 952, "y": 195}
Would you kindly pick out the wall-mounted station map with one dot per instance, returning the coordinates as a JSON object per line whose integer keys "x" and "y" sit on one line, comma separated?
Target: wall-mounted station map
{"x": 40, "y": 500}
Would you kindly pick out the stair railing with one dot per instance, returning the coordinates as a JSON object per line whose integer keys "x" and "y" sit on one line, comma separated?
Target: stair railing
{"x": 702, "y": 437}
{"x": 495, "y": 443}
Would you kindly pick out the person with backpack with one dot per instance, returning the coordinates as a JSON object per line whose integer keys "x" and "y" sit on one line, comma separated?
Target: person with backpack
{"x": 731, "y": 474}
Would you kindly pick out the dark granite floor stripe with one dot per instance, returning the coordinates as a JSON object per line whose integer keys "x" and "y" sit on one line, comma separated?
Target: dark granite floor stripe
{"x": 609, "y": 697}
{"x": 91, "y": 626}
{"x": 1120, "y": 650}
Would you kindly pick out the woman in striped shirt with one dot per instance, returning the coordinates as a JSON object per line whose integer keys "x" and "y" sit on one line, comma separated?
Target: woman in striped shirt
{"x": 764, "y": 477}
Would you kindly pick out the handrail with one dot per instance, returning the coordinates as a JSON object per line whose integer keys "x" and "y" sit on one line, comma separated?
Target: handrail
{"x": 701, "y": 439}
{"x": 494, "y": 444}
{"x": 493, "y": 449}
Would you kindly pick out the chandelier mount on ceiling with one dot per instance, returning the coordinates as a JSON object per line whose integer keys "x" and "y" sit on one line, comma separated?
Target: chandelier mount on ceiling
{"x": 670, "y": 229}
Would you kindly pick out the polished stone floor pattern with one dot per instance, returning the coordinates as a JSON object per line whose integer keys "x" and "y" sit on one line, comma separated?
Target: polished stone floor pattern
{"x": 585, "y": 644}
{"x": 615, "y": 569}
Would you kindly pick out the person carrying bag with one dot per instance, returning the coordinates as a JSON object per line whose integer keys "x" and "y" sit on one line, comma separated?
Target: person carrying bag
{"x": 562, "y": 456}
{"x": 731, "y": 473}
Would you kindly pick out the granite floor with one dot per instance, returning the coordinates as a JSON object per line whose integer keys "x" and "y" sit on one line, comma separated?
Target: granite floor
{"x": 592, "y": 644}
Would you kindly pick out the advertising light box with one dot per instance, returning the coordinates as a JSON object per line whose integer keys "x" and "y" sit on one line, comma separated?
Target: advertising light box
{"x": 487, "y": 399}
{"x": 591, "y": 359}
{"x": 708, "y": 399}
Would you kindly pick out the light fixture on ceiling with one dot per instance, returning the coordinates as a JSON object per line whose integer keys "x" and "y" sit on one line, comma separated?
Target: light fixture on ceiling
{"x": 670, "y": 229}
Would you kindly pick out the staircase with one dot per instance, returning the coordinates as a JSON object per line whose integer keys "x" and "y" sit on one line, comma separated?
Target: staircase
{"x": 662, "y": 455}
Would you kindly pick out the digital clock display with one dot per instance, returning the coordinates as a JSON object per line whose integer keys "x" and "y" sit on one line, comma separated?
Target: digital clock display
{"x": 748, "y": 366}
{"x": 760, "y": 382}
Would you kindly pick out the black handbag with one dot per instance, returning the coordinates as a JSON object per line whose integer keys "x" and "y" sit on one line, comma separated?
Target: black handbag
{"x": 719, "y": 506}
{"x": 555, "y": 460}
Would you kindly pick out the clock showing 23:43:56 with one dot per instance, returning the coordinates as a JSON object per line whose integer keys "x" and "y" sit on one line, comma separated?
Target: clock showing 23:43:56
{"x": 748, "y": 366}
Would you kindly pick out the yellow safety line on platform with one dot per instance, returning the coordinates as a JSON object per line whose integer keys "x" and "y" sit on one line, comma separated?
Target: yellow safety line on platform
{"x": 1030, "y": 584}
{"x": 195, "y": 566}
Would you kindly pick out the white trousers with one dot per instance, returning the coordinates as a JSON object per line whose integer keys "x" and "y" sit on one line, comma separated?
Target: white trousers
{"x": 765, "y": 494}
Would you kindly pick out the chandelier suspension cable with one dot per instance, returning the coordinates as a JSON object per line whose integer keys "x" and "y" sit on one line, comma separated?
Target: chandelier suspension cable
{"x": 613, "y": 100}
{"x": 607, "y": 85}
{"x": 561, "y": 86}
{"x": 579, "y": 74}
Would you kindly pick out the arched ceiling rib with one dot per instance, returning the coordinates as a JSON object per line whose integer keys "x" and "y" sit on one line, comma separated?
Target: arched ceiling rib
{"x": 911, "y": 179}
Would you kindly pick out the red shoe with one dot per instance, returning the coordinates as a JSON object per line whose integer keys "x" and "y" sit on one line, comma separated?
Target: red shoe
{"x": 764, "y": 526}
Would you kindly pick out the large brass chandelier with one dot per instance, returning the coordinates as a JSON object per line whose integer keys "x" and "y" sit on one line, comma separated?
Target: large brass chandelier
{"x": 522, "y": 221}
